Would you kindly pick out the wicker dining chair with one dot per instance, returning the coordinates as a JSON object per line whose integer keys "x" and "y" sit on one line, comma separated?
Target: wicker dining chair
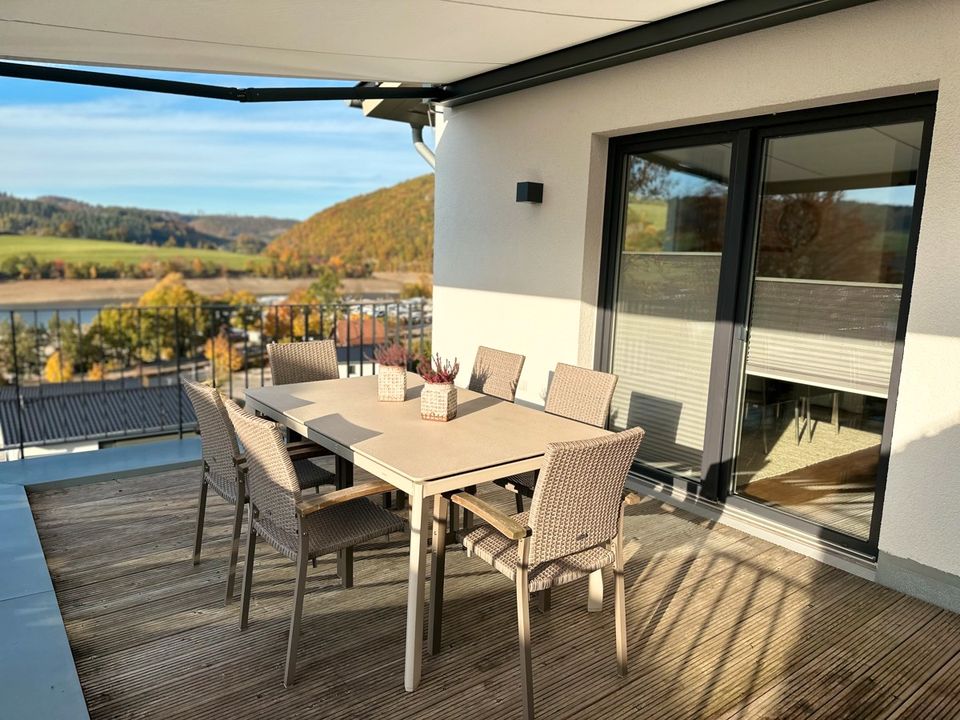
{"x": 496, "y": 373}
{"x": 299, "y": 529}
{"x": 575, "y": 393}
{"x": 303, "y": 361}
{"x": 223, "y": 466}
{"x": 573, "y": 529}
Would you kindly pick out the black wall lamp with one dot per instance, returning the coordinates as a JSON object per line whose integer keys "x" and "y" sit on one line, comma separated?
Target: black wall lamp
{"x": 531, "y": 192}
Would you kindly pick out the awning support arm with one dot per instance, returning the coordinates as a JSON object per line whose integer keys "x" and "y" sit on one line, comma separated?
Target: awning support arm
{"x": 216, "y": 92}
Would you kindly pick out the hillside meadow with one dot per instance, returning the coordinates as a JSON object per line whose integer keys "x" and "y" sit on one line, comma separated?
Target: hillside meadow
{"x": 107, "y": 252}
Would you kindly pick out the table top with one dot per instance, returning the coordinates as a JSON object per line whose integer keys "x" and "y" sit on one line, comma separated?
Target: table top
{"x": 486, "y": 432}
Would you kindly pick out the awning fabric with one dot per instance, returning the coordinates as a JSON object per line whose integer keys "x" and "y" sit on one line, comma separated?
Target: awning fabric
{"x": 422, "y": 41}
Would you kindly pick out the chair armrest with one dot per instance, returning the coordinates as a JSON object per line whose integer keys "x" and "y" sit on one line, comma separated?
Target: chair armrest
{"x": 336, "y": 497}
{"x": 501, "y": 521}
{"x": 631, "y": 498}
{"x": 303, "y": 449}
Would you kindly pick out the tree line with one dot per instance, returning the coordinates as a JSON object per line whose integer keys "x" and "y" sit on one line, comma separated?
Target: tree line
{"x": 167, "y": 322}
{"x": 71, "y": 219}
{"x": 29, "y": 267}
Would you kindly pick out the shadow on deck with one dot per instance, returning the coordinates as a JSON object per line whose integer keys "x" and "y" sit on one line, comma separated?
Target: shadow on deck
{"x": 720, "y": 625}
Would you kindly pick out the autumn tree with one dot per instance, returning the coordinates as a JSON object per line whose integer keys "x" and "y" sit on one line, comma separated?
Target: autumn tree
{"x": 224, "y": 359}
{"x": 97, "y": 372}
{"x": 167, "y": 317}
{"x": 325, "y": 288}
{"x": 113, "y": 339}
{"x": 65, "y": 334}
{"x": 28, "y": 338}
{"x": 423, "y": 288}
{"x": 242, "y": 309}
{"x": 310, "y": 312}
{"x": 59, "y": 368}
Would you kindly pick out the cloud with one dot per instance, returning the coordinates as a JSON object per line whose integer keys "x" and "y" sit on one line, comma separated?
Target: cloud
{"x": 124, "y": 148}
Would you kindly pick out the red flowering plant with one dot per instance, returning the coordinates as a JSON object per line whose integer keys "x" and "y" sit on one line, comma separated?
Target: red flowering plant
{"x": 439, "y": 371}
{"x": 392, "y": 355}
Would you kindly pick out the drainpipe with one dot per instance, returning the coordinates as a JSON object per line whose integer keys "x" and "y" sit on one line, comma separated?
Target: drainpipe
{"x": 421, "y": 147}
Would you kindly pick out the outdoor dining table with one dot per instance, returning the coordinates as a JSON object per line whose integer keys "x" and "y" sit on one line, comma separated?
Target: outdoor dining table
{"x": 489, "y": 439}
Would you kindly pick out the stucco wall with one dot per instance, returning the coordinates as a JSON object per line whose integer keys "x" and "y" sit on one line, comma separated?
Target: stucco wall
{"x": 524, "y": 277}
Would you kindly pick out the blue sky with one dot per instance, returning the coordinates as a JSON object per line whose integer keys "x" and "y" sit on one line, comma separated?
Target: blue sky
{"x": 120, "y": 147}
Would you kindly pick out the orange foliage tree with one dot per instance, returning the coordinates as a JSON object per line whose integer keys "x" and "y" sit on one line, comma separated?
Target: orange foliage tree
{"x": 222, "y": 356}
{"x": 59, "y": 368}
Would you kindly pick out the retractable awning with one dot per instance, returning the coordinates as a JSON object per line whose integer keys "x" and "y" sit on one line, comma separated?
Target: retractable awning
{"x": 469, "y": 48}
{"x": 425, "y": 41}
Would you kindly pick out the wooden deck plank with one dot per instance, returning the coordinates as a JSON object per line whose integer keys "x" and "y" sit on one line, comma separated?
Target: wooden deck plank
{"x": 815, "y": 686}
{"x": 720, "y": 624}
{"x": 938, "y": 697}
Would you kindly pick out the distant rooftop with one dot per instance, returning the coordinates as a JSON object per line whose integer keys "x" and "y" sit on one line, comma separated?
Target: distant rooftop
{"x": 74, "y": 411}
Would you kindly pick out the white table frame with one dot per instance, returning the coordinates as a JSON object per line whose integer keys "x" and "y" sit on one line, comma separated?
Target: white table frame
{"x": 422, "y": 495}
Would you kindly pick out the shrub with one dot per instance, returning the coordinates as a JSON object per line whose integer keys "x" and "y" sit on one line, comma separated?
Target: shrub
{"x": 439, "y": 371}
{"x": 392, "y": 355}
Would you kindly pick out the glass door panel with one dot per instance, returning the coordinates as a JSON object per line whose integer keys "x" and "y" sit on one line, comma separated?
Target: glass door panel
{"x": 674, "y": 208}
{"x": 832, "y": 240}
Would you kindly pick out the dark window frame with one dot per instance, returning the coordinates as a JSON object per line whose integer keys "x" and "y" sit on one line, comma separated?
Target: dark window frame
{"x": 747, "y": 136}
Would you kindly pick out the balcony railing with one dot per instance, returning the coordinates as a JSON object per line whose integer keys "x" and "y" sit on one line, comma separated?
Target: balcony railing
{"x": 89, "y": 376}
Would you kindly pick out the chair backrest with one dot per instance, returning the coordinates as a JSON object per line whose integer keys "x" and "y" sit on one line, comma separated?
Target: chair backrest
{"x": 580, "y": 394}
{"x": 496, "y": 373}
{"x": 303, "y": 361}
{"x": 218, "y": 440}
{"x": 271, "y": 479}
{"x": 576, "y": 503}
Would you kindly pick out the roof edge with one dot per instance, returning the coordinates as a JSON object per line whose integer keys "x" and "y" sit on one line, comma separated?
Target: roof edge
{"x": 697, "y": 27}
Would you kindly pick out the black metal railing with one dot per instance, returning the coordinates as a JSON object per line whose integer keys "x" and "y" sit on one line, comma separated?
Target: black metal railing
{"x": 90, "y": 375}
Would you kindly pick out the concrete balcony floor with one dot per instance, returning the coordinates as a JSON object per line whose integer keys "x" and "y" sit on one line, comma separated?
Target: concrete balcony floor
{"x": 721, "y": 625}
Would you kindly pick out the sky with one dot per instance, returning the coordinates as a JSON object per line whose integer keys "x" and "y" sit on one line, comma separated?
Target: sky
{"x": 193, "y": 155}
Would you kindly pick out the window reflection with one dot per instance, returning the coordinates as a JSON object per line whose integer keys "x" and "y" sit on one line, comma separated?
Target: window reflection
{"x": 669, "y": 270}
{"x": 832, "y": 242}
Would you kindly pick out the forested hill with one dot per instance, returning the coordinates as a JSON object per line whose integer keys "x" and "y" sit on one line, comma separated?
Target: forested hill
{"x": 391, "y": 229}
{"x": 262, "y": 229}
{"x": 63, "y": 217}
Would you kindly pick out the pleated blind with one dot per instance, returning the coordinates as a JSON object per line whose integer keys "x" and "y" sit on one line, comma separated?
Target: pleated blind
{"x": 662, "y": 346}
{"x": 826, "y": 334}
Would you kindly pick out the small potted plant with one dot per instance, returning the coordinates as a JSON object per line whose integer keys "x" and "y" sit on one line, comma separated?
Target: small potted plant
{"x": 391, "y": 372}
{"x": 438, "y": 400}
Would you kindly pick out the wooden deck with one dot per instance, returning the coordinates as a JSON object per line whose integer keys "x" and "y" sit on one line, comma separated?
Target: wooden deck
{"x": 721, "y": 625}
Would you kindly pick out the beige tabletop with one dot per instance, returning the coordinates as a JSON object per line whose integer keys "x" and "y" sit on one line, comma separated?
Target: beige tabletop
{"x": 486, "y": 432}
{"x": 489, "y": 439}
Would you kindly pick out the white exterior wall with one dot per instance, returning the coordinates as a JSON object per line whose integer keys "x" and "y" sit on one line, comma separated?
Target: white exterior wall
{"x": 524, "y": 277}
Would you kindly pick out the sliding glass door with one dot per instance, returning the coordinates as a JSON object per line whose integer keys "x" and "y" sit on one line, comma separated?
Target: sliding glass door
{"x": 755, "y": 287}
{"x": 831, "y": 249}
{"x": 673, "y": 209}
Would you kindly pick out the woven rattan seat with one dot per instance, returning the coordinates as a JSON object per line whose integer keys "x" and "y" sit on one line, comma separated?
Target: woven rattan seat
{"x": 222, "y": 466}
{"x": 305, "y": 361}
{"x": 341, "y": 526}
{"x": 490, "y": 545}
{"x": 299, "y": 529}
{"x": 574, "y": 529}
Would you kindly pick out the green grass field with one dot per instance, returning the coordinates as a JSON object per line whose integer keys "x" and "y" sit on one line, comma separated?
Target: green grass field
{"x": 106, "y": 252}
